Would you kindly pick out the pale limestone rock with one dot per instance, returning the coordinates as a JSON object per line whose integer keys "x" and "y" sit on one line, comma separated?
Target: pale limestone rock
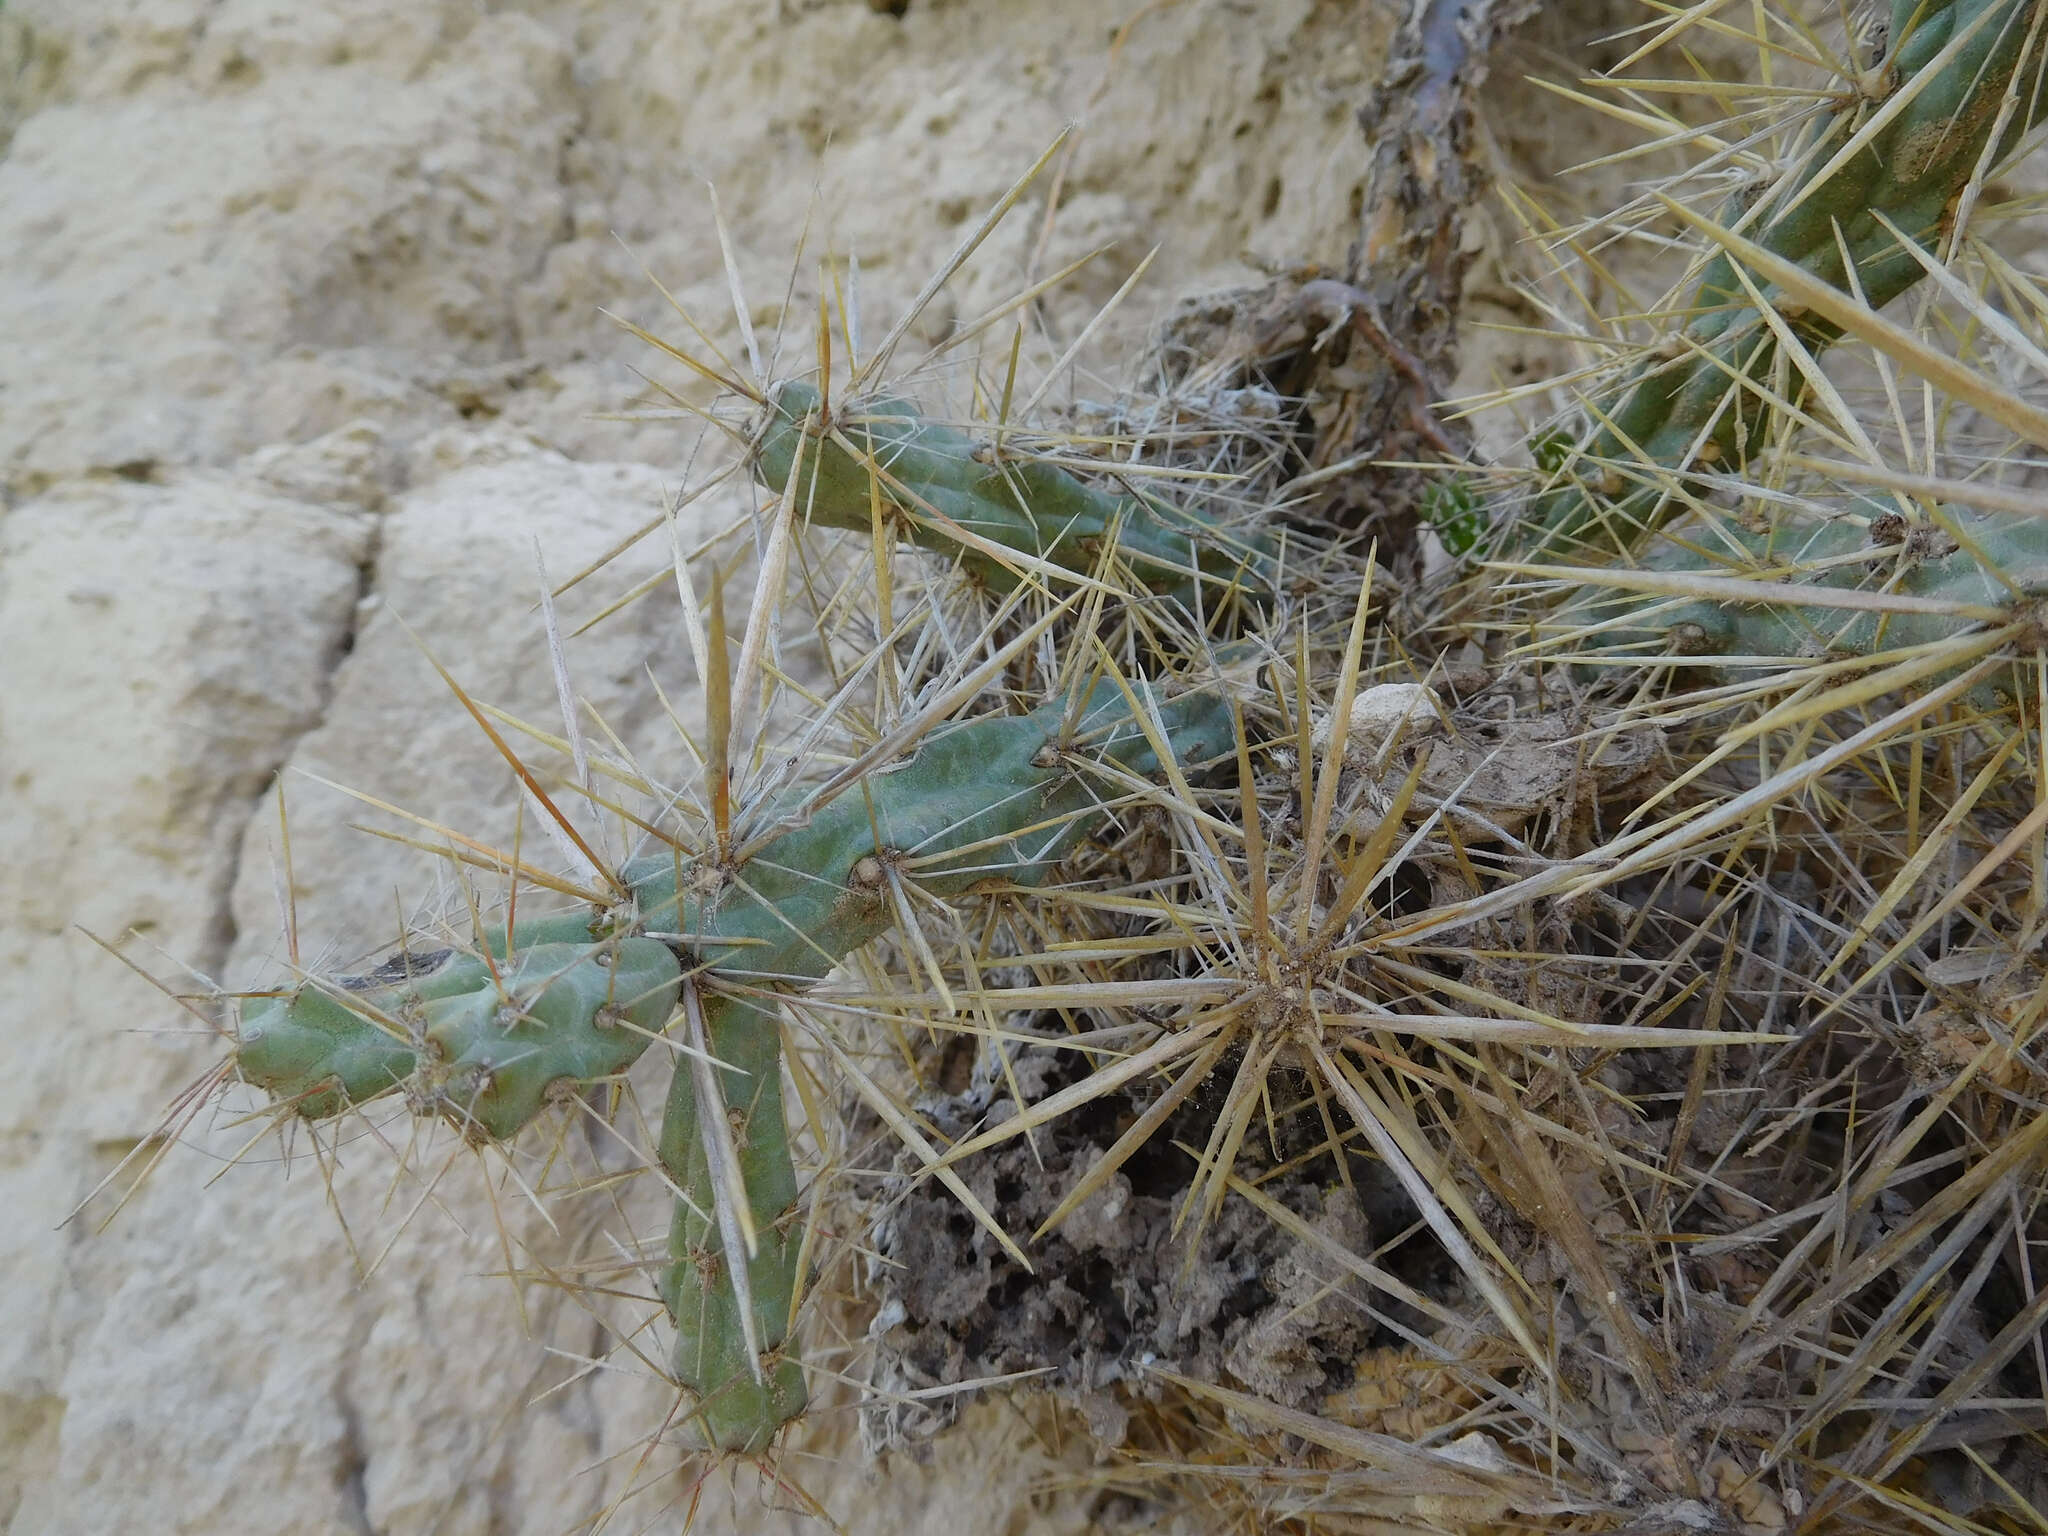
{"x": 175, "y": 234}
{"x": 394, "y": 1404}
{"x": 1377, "y": 713}
{"x": 456, "y": 566}
{"x": 165, "y": 647}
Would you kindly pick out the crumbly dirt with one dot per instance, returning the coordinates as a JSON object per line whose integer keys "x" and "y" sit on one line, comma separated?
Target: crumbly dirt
{"x": 1112, "y": 1294}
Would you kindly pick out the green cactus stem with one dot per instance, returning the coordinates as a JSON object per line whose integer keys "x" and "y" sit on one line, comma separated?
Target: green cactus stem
{"x": 1998, "y": 565}
{"x": 1002, "y": 799}
{"x": 482, "y": 1043}
{"x": 738, "y": 1408}
{"x": 944, "y": 491}
{"x": 564, "y": 1016}
{"x": 1691, "y": 406}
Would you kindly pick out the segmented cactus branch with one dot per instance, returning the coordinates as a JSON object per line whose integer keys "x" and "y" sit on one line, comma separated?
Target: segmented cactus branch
{"x": 983, "y": 506}
{"x": 484, "y": 1039}
{"x": 1957, "y": 75}
{"x": 743, "y": 1395}
{"x": 1993, "y": 568}
{"x": 993, "y": 800}
{"x": 1002, "y": 799}
{"x": 484, "y": 1043}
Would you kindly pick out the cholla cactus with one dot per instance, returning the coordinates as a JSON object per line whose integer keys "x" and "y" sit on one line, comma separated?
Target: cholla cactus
{"x": 1826, "y": 585}
{"x": 487, "y": 1039}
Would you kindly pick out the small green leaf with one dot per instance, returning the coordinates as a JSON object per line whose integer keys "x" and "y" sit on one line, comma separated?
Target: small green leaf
{"x": 1455, "y": 511}
{"x": 1551, "y": 449}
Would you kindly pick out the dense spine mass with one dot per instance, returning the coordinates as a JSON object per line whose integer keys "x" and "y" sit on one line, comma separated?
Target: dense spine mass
{"x": 1841, "y": 220}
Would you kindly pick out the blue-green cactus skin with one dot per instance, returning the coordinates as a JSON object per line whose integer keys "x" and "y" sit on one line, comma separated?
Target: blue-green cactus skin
{"x": 734, "y": 1411}
{"x": 484, "y": 1043}
{"x": 935, "y": 478}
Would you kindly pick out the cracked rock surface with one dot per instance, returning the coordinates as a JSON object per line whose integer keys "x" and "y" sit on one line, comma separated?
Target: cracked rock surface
{"x": 302, "y": 339}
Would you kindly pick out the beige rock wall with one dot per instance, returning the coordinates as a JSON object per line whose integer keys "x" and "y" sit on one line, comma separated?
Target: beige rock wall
{"x": 299, "y": 336}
